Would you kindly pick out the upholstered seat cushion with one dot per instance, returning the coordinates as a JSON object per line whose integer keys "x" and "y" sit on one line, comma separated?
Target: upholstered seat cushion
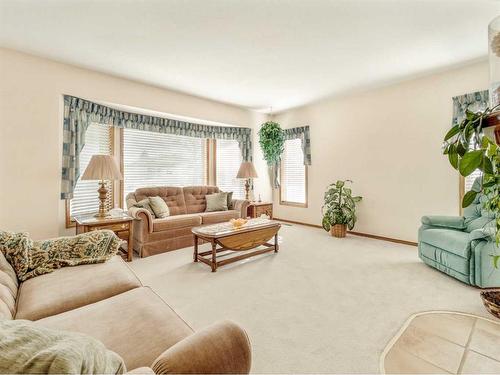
{"x": 8, "y": 289}
{"x": 453, "y": 241}
{"x": 71, "y": 287}
{"x": 218, "y": 216}
{"x": 176, "y": 222}
{"x": 138, "y": 325}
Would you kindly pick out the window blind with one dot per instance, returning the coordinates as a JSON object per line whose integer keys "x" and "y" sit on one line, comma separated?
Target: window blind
{"x": 293, "y": 173}
{"x": 157, "y": 159}
{"x": 85, "y": 200}
{"x": 228, "y": 161}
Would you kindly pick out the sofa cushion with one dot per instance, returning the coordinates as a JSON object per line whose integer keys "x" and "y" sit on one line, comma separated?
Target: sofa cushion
{"x": 159, "y": 207}
{"x": 8, "y": 289}
{"x": 218, "y": 216}
{"x": 175, "y": 222}
{"x": 144, "y": 204}
{"x": 216, "y": 202}
{"x": 173, "y": 196}
{"x": 453, "y": 241}
{"x": 29, "y": 349}
{"x": 71, "y": 287}
{"x": 138, "y": 325}
{"x": 194, "y": 197}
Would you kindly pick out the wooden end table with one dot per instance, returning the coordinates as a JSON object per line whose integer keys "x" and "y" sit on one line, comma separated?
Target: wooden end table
{"x": 255, "y": 209}
{"x": 255, "y": 233}
{"x": 122, "y": 225}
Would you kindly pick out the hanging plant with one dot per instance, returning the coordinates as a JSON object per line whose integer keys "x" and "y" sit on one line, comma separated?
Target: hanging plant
{"x": 271, "y": 140}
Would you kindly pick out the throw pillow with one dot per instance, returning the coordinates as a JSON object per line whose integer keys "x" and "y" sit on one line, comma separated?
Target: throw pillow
{"x": 229, "y": 200}
{"x": 28, "y": 349}
{"x": 31, "y": 258}
{"x": 159, "y": 207}
{"x": 216, "y": 202}
{"x": 145, "y": 204}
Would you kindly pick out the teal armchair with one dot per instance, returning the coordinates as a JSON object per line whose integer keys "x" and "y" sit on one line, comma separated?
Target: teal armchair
{"x": 462, "y": 246}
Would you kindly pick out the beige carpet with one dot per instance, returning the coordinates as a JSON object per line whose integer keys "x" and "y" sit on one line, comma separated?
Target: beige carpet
{"x": 321, "y": 305}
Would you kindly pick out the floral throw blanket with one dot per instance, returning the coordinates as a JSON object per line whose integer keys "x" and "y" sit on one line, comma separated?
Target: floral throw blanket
{"x": 33, "y": 258}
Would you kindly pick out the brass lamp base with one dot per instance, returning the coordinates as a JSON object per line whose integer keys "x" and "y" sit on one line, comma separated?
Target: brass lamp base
{"x": 247, "y": 189}
{"x": 103, "y": 193}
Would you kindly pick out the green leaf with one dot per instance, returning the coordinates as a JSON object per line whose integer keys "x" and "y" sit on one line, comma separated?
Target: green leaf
{"x": 470, "y": 162}
{"x": 461, "y": 150}
{"x": 453, "y": 131}
{"x": 468, "y": 198}
{"x": 487, "y": 166}
{"x": 339, "y": 184}
{"x": 453, "y": 158}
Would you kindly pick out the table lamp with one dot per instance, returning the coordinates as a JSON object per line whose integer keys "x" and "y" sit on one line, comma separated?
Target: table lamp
{"x": 102, "y": 167}
{"x": 247, "y": 171}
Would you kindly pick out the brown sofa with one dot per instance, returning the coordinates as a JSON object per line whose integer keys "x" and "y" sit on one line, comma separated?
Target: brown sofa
{"x": 187, "y": 210}
{"x": 107, "y": 301}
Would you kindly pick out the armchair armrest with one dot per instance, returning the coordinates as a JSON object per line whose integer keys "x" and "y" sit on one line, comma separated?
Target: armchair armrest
{"x": 241, "y": 205}
{"x": 222, "y": 348}
{"x": 451, "y": 222}
{"x": 486, "y": 233}
{"x": 139, "y": 213}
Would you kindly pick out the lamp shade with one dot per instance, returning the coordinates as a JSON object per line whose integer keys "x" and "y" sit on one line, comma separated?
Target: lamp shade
{"x": 102, "y": 167}
{"x": 247, "y": 170}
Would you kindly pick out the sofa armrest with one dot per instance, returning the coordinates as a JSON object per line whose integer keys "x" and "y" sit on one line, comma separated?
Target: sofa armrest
{"x": 222, "y": 348}
{"x": 139, "y": 213}
{"x": 241, "y": 206}
{"x": 487, "y": 234}
{"x": 451, "y": 222}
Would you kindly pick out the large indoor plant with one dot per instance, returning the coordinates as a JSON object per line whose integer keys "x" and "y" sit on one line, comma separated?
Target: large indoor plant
{"x": 271, "y": 140}
{"x": 468, "y": 149}
{"x": 339, "y": 209}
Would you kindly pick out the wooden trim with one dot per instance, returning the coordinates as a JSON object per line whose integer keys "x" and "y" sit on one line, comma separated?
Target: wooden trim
{"x": 361, "y": 234}
{"x": 382, "y": 238}
{"x": 70, "y": 223}
{"x": 294, "y": 204}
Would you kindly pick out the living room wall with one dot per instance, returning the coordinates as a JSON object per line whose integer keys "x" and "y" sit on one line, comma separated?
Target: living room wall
{"x": 388, "y": 141}
{"x": 31, "y": 131}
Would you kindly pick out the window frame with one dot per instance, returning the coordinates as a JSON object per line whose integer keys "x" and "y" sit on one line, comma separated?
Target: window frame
{"x": 306, "y": 181}
{"x": 70, "y": 220}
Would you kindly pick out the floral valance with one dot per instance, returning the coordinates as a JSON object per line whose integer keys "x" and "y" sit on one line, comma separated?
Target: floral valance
{"x": 80, "y": 113}
{"x": 302, "y": 133}
{"x": 475, "y": 101}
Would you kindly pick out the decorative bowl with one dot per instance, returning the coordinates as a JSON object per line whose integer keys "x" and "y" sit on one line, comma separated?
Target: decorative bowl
{"x": 238, "y": 223}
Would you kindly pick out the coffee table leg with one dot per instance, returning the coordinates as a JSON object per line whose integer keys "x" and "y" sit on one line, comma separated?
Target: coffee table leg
{"x": 214, "y": 257}
{"x": 195, "y": 254}
{"x": 276, "y": 244}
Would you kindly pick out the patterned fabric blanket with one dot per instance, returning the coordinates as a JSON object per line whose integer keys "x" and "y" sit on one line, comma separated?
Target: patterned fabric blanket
{"x": 33, "y": 258}
{"x": 27, "y": 349}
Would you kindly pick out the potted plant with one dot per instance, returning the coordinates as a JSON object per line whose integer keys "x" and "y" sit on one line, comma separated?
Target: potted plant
{"x": 339, "y": 209}
{"x": 468, "y": 149}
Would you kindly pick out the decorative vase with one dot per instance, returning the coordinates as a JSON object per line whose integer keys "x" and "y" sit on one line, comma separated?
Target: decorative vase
{"x": 491, "y": 300}
{"x": 338, "y": 230}
{"x": 494, "y": 60}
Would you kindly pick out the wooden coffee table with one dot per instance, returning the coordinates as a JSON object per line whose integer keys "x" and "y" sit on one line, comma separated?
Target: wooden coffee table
{"x": 224, "y": 238}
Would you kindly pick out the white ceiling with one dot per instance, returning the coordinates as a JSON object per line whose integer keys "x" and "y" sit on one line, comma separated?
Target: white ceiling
{"x": 253, "y": 53}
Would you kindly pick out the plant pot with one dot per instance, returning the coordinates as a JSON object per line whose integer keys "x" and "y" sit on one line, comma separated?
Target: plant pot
{"x": 491, "y": 300}
{"x": 338, "y": 230}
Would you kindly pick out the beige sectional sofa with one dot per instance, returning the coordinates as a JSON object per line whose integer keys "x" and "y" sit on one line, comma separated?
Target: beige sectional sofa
{"x": 187, "y": 210}
{"x": 107, "y": 301}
